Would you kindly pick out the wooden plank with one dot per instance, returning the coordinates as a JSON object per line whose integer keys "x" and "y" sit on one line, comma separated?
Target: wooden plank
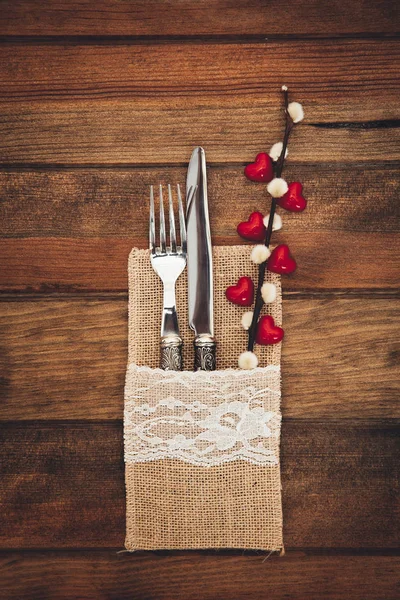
{"x": 62, "y": 485}
{"x": 110, "y": 202}
{"x": 212, "y": 73}
{"x": 56, "y": 482}
{"x": 193, "y": 575}
{"x": 220, "y": 17}
{"x": 62, "y": 265}
{"x": 134, "y": 132}
{"x": 111, "y": 105}
{"x": 63, "y": 359}
{"x": 67, "y": 359}
{"x": 126, "y": 134}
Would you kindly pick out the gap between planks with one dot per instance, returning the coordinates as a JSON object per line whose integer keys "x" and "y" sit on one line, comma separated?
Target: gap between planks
{"x": 351, "y": 422}
{"x": 371, "y": 165}
{"x": 290, "y": 552}
{"x": 220, "y": 39}
{"x": 351, "y": 293}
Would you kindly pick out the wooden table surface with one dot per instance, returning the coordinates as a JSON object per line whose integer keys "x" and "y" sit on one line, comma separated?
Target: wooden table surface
{"x": 100, "y": 99}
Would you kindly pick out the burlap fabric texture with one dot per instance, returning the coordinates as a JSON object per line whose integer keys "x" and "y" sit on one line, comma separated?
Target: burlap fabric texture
{"x": 201, "y": 449}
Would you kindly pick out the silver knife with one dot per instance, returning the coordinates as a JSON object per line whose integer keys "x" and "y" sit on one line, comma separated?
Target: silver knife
{"x": 199, "y": 264}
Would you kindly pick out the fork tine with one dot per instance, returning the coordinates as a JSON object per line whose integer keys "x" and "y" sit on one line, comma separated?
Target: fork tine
{"x": 162, "y": 224}
{"x": 172, "y": 234}
{"x": 152, "y": 225}
{"x": 182, "y": 224}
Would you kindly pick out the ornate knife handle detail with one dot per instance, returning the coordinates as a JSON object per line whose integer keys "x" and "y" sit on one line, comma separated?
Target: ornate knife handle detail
{"x": 171, "y": 354}
{"x": 204, "y": 354}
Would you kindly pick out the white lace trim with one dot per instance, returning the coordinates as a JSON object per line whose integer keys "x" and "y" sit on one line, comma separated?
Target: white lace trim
{"x": 203, "y": 418}
{"x": 206, "y": 375}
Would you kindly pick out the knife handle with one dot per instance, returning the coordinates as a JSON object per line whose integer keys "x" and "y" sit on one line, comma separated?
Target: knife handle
{"x": 171, "y": 353}
{"x": 204, "y": 353}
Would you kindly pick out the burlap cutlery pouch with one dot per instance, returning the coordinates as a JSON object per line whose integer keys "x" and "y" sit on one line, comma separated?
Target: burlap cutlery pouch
{"x": 201, "y": 449}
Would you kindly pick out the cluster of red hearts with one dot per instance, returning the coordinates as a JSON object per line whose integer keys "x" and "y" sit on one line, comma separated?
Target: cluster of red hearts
{"x": 267, "y": 169}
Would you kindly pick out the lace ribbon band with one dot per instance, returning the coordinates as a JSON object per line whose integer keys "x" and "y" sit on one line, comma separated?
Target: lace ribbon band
{"x": 205, "y": 418}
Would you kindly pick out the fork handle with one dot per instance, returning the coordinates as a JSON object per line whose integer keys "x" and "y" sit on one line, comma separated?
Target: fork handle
{"x": 171, "y": 353}
{"x": 204, "y": 353}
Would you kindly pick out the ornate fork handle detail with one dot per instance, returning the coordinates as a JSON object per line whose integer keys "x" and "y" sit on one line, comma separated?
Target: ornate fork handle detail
{"x": 171, "y": 354}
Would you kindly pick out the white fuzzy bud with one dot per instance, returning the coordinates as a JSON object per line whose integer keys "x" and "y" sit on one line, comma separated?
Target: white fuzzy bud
{"x": 277, "y": 187}
{"x": 268, "y": 292}
{"x": 247, "y": 319}
{"x": 284, "y": 88}
{"x": 259, "y": 254}
{"x": 276, "y": 225}
{"x": 247, "y": 360}
{"x": 296, "y": 112}
{"x": 276, "y": 151}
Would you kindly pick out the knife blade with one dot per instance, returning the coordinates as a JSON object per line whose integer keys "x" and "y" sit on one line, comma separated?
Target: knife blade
{"x": 199, "y": 264}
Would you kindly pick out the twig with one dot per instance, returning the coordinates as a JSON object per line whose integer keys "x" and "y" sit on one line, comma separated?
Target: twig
{"x": 259, "y": 303}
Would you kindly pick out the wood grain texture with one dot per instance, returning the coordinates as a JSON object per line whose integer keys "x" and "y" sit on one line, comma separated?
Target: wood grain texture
{"x": 63, "y": 360}
{"x": 56, "y": 483}
{"x": 104, "y": 575}
{"x": 87, "y": 203}
{"x": 67, "y": 359}
{"x": 64, "y": 265}
{"x": 98, "y": 101}
{"x": 62, "y": 485}
{"x": 144, "y": 104}
{"x": 215, "y": 74}
{"x": 220, "y": 17}
{"x": 133, "y": 132}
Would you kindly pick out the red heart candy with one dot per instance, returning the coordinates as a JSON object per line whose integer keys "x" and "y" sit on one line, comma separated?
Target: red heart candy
{"x": 293, "y": 200}
{"x": 268, "y": 332}
{"x": 281, "y": 261}
{"x": 253, "y": 229}
{"x": 242, "y": 293}
{"x": 261, "y": 169}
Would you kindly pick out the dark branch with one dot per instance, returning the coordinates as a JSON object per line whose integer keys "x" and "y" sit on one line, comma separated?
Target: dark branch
{"x": 262, "y": 268}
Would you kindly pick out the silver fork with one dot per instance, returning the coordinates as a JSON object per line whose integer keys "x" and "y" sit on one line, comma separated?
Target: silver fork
{"x": 168, "y": 262}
